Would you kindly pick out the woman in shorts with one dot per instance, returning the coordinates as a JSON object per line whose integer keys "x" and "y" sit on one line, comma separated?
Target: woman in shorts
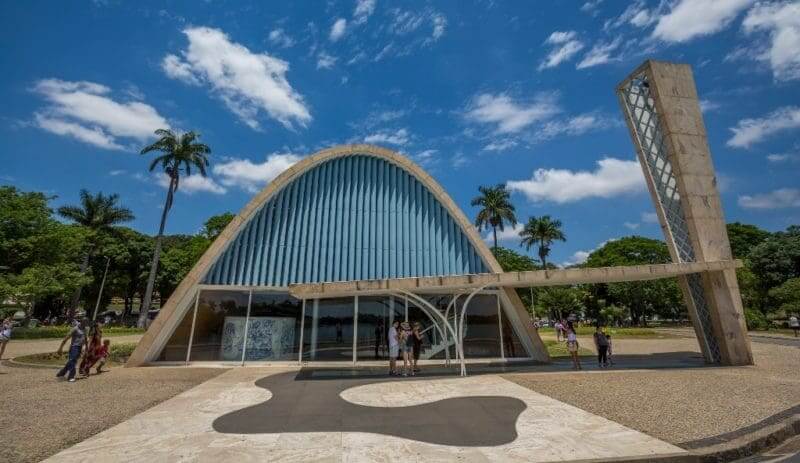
{"x": 407, "y": 348}
{"x": 5, "y": 335}
{"x": 572, "y": 347}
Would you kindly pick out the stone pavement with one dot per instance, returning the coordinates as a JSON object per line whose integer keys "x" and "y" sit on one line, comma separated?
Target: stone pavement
{"x": 266, "y": 414}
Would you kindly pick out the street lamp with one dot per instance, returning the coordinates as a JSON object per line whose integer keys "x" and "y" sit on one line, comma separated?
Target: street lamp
{"x": 102, "y": 284}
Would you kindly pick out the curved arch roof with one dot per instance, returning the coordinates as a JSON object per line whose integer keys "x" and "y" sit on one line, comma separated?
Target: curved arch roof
{"x": 354, "y": 215}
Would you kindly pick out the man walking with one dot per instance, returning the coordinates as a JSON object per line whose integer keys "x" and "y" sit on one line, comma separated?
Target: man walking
{"x": 77, "y": 336}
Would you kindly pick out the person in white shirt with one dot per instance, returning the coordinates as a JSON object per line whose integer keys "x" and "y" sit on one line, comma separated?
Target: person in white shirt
{"x": 394, "y": 347}
{"x": 559, "y": 328}
{"x": 794, "y": 324}
{"x": 572, "y": 347}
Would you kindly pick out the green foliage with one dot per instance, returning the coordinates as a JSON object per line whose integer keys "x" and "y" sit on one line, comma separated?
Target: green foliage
{"x": 118, "y": 355}
{"x": 49, "y": 332}
{"x": 177, "y": 260}
{"x": 755, "y": 320}
{"x": 774, "y": 261}
{"x": 633, "y": 332}
{"x": 642, "y": 299}
{"x": 612, "y": 314}
{"x": 39, "y": 281}
{"x": 512, "y": 261}
{"x": 542, "y": 231}
{"x": 215, "y": 224}
{"x": 496, "y": 209}
{"x": 559, "y": 301}
{"x": 787, "y": 296}
{"x": 744, "y": 237}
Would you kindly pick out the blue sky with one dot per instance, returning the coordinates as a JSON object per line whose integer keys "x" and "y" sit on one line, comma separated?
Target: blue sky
{"x": 477, "y": 92}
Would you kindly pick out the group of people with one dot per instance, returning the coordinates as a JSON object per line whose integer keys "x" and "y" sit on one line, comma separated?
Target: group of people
{"x": 406, "y": 339}
{"x": 602, "y": 343}
{"x": 85, "y": 338}
{"x": 5, "y": 335}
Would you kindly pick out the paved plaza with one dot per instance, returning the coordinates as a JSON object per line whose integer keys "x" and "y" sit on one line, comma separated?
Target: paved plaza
{"x": 262, "y": 414}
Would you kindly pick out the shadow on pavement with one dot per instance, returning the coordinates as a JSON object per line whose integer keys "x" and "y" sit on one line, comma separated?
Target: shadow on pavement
{"x": 305, "y": 403}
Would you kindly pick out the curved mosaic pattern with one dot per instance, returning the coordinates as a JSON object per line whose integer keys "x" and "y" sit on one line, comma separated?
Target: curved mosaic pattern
{"x": 354, "y": 217}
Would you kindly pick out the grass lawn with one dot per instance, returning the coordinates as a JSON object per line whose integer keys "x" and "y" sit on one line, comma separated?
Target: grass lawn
{"x": 559, "y": 349}
{"x": 47, "y": 332}
{"x": 118, "y": 356}
{"x": 614, "y": 332}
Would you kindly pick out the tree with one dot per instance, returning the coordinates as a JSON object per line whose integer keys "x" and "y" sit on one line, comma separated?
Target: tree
{"x": 542, "y": 231}
{"x": 641, "y": 298}
{"x": 98, "y": 214}
{"x": 744, "y": 237}
{"x": 774, "y": 261}
{"x": 179, "y": 155}
{"x": 23, "y": 218}
{"x": 787, "y": 296}
{"x": 178, "y": 260}
{"x": 511, "y": 261}
{"x": 559, "y": 301}
{"x": 215, "y": 224}
{"x": 496, "y": 209}
{"x": 130, "y": 253}
{"x": 39, "y": 281}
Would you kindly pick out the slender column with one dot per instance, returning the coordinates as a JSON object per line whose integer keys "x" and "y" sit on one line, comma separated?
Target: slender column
{"x": 500, "y": 327}
{"x": 302, "y": 331}
{"x": 191, "y": 332}
{"x": 314, "y": 330}
{"x": 355, "y": 328}
{"x": 246, "y": 324}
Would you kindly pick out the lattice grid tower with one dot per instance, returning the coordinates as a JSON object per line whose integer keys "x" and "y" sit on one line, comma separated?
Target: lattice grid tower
{"x": 640, "y": 107}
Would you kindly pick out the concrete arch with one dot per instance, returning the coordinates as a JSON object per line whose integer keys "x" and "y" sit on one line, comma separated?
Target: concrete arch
{"x": 183, "y": 296}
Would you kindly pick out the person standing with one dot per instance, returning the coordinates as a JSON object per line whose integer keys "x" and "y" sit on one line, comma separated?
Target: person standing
{"x": 559, "y": 328}
{"x": 92, "y": 347}
{"x": 5, "y": 335}
{"x": 610, "y": 351}
{"x": 394, "y": 347}
{"x": 572, "y": 347}
{"x": 794, "y": 324}
{"x": 407, "y": 348}
{"x": 601, "y": 343}
{"x": 77, "y": 338}
{"x": 417, "y": 339}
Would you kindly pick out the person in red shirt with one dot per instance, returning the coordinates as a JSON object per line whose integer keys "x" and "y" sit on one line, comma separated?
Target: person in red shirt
{"x": 101, "y": 354}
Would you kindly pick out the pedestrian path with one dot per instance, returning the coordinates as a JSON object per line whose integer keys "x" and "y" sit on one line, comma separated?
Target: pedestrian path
{"x": 263, "y": 414}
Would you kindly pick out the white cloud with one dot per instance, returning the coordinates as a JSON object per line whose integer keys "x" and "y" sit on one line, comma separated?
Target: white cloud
{"x": 580, "y": 257}
{"x": 613, "y": 177}
{"x": 500, "y": 144}
{"x": 591, "y": 6}
{"x": 280, "y": 38}
{"x": 631, "y": 225}
{"x": 636, "y": 14}
{"x": 325, "y": 61}
{"x": 576, "y": 125}
{"x": 439, "y": 22}
{"x": 777, "y": 199}
{"x": 689, "y": 19}
{"x": 782, "y": 157}
{"x": 708, "y": 105}
{"x": 577, "y": 258}
{"x": 459, "y": 160}
{"x": 364, "y": 9}
{"x": 510, "y": 116}
{"x": 782, "y": 22}
{"x": 509, "y": 233}
{"x": 565, "y": 46}
{"x": 246, "y": 82}
{"x": 599, "y": 54}
{"x": 114, "y": 173}
{"x": 338, "y": 29}
{"x": 398, "y": 137}
{"x": 175, "y": 68}
{"x": 193, "y": 184}
{"x": 406, "y": 22}
{"x": 251, "y": 176}
{"x": 750, "y": 131}
{"x": 85, "y": 111}
{"x": 426, "y": 158}
{"x": 649, "y": 217}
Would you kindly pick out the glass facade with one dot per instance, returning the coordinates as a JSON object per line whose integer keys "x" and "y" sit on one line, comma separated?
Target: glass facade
{"x": 257, "y": 326}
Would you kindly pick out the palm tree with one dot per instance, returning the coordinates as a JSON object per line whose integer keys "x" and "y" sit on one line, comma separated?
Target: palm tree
{"x": 98, "y": 214}
{"x": 496, "y": 209}
{"x": 542, "y": 231}
{"x": 179, "y": 155}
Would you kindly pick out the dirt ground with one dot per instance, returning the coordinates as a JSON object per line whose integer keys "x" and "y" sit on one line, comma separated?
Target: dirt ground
{"x": 42, "y": 415}
{"x": 681, "y": 405}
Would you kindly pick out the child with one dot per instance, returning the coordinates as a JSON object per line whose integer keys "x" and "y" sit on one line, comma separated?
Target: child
{"x": 102, "y": 355}
{"x": 609, "y": 351}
